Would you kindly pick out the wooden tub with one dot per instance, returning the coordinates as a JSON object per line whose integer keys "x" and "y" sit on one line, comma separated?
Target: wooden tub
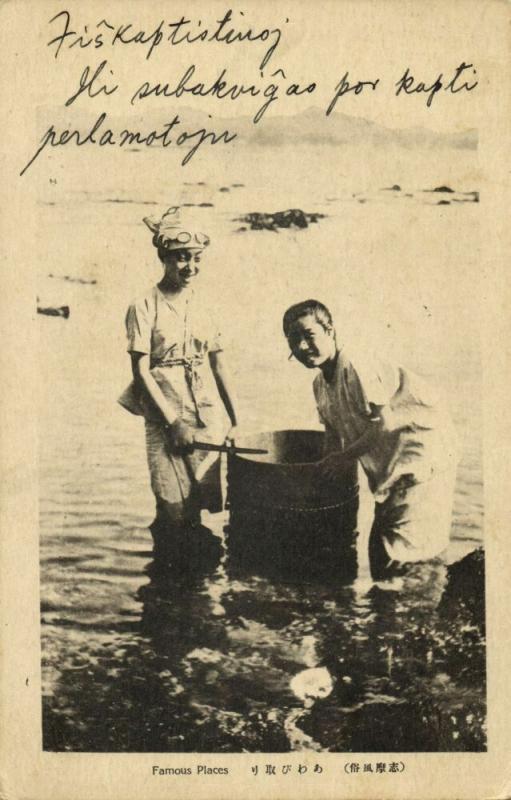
{"x": 282, "y": 510}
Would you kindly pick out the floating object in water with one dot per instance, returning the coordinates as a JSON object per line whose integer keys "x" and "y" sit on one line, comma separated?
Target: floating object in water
{"x": 54, "y": 311}
{"x": 89, "y": 281}
{"x": 311, "y": 685}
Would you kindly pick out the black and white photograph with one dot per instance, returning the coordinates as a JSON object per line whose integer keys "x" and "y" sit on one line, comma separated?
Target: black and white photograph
{"x": 259, "y": 302}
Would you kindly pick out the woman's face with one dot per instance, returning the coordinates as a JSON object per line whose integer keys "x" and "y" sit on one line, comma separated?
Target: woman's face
{"x": 181, "y": 267}
{"x": 310, "y": 343}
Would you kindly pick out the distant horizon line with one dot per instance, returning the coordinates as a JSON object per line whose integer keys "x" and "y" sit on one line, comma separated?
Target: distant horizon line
{"x": 268, "y": 117}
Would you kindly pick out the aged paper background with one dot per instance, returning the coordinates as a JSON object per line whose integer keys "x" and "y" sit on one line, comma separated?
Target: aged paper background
{"x": 321, "y": 42}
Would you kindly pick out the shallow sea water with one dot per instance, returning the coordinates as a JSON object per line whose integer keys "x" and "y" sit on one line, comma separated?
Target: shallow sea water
{"x": 211, "y": 657}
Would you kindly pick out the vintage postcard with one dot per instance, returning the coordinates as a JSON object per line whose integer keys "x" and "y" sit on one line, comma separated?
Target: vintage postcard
{"x": 255, "y": 418}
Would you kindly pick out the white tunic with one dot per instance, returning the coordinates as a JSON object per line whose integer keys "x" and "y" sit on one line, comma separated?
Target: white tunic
{"x": 178, "y": 336}
{"x": 417, "y": 436}
{"x": 172, "y": 333}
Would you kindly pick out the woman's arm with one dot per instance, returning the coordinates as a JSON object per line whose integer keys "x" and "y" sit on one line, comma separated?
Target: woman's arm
{"x": 339, "y": 460}
{"x": 366, "y": 441}
{"x": 180, "y": 434}
{"x": 332, "y": 440}
{"x": 224, "y": 384}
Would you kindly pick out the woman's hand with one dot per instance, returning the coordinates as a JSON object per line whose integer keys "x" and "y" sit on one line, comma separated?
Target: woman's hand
{"x": 232, "y": 433}
{"x": 334, "y": 465}
{"x": 181, "y": 436}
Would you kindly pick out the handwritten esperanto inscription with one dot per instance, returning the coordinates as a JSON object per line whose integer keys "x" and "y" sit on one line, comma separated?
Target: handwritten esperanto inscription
{"x": 271, "y": 87}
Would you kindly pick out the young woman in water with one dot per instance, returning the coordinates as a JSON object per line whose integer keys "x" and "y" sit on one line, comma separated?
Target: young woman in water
{"x": 180, "y": 385}
{"x": 394, "y": 424}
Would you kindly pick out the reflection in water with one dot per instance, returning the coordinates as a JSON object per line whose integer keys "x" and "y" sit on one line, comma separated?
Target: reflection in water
{"x": 225, "y": 661}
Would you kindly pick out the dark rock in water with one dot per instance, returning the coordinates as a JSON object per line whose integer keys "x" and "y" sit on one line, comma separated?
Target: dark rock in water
{"x": 445, "y": 189}
{"x": 395, "y": 188}
{"x": 237, "y": 185}
{"x": 224, "y": 189}
{"x": 134, "y": 202}
{"x": 443, "y": 203}
{"x": 57, "y": 311}
{"x": 465, "y": 591}
{"x": 205, "y": 205}
{"x": 292, "y": 218}
{"x": 86, "y": 281}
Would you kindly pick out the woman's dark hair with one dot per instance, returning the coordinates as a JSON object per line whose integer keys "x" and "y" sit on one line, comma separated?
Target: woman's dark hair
{"x": 303, "y": 309}
{"x": 164, "y": 251}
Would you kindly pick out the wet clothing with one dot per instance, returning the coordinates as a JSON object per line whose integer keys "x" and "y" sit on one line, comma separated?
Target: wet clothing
{"x": 412, "y": 524}
{"x": 178, "y": 336}
{"x": 182, "y": 485}
{"x": 411, "y": 466}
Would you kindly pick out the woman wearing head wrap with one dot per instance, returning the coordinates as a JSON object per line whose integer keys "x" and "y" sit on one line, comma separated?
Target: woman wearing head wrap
{"x": 179, "y": 380}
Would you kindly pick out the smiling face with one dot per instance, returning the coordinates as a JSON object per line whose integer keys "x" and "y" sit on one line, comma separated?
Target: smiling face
{"x": 181, "y": 267}
{"x": 311, "y": 343}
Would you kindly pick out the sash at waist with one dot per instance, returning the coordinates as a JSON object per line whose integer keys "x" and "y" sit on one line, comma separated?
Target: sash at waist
{"x": 192, "y": 377}
{"x": 182, "y": 361}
